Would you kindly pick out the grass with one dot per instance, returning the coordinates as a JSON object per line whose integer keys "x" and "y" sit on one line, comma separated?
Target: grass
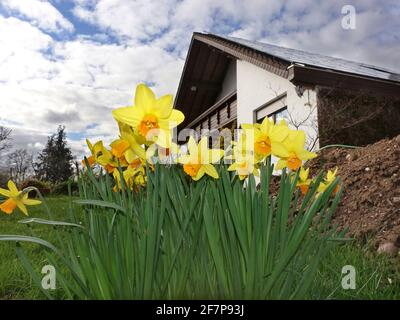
{"x": 15, "y": 282}
{"x": 377, "y": 277}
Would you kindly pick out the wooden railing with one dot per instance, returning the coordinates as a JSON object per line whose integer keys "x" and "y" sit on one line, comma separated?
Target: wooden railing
{"x": 218, "y": 115}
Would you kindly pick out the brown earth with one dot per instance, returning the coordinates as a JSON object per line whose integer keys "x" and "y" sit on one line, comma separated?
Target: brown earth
{"x": 370, "y": 205}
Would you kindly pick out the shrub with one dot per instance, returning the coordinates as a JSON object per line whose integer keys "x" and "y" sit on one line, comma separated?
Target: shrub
{"x": 43, "y": 186}
{"x": 62, "y": 188}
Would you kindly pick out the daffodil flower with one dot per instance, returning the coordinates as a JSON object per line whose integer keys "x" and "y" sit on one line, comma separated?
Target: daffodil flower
{"x": 304, "y": 182}
{"x": 200, "y": 159}
{"x": 330, "y": 177}
{"x": 130, "y": 176}
{"x": 128, "y": 145}
{"x": 267, "y": 137}
{"x": 16, "y": 199}
{"x": 102, "y": 156}
{"x": 99, "y": 153}
{"x": 291, "y": 152}
{"x": 244, "y": 166}
{"x": 150, "y": 117}
{"x": 243, "y": 154}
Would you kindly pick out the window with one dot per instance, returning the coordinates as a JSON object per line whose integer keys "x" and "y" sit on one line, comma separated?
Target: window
{"x": 279, "y": 115}
{"x": 275, "y": 109}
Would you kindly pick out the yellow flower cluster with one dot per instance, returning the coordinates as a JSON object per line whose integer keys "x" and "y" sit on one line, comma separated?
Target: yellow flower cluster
{"x": 303, "y": 182}
{"x": 259, "y": 141}
{"x": 146, "y": 128}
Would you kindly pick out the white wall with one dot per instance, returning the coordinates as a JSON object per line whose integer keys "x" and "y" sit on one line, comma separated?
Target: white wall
{"x": 229, "y": 83}
{"x": 256, "y": 86}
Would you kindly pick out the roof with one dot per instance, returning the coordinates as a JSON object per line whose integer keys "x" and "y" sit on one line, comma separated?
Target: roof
{"x": 317, "y": 60}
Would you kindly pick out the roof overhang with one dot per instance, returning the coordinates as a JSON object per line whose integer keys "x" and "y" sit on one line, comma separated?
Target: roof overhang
{"x": 307, "y": 75}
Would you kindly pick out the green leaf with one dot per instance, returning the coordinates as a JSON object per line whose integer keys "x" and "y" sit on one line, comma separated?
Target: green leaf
{"x": 50, "y": 222}
{"x": 101, "y": 203}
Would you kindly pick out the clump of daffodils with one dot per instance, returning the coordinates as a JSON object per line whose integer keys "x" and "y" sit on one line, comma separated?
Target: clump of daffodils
{"x": 146, "y": 132}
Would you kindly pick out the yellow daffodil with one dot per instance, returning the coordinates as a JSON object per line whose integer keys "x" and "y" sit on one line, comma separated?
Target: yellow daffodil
{"x": 102, "y": 156}
{"x": 330, "y": 177}
{"x": 303, "y": 182}
{"x": 267, "y": 137}
{"x": 244, "y": 166}
{"x": 150, "y": 117}
{"x": 16, "y": 199}
{"x": 99, "y": 153}
{"x": 200, "y": 159}
{"x": 91, "y": 159}
{"x": 129, "y": 145}
{"x": 243, "y": 154}
{"x": 291, "y": 152}
{"x": 119, "y": 147}
{"x": 130, "y": 177}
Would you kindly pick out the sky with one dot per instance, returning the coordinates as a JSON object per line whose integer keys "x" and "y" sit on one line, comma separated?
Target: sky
{"x": 70, "y": 62}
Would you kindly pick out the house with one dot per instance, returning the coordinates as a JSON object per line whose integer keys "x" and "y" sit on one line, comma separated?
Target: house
{"x": 227, "y": 81}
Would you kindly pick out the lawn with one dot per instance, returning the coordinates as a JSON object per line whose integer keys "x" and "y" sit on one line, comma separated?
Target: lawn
{"x": 15, "y": 282}
{"x": 377, "y": 277}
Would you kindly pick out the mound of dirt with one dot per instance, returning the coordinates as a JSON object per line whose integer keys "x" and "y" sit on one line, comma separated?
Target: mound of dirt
{"x": 370, "y": 205}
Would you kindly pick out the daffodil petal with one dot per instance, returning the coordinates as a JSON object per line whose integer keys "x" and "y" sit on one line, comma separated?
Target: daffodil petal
{"x": 31, "y": 202}
{"x": 128, "y": 115}
{"x": 233, "y": 166}
{"x": 22, "y": 207}
{"x": 175, "y": 118}
{"x": 305, "y": 155}
{"x": 199, "y": 174}
{"x": 192, "y": 146}
{"x": 278, "y": 149}
{"x": 211, "y": 171}
{"x": 247, "y": 126}
{"x": 90, "y": 146}
{"x": 5, "y": 193}
{"x": 215, "y": 155}
{"x": 184, "y": 159}
{"x": 144, "y": 98}
{"x": 279, "y": 133}
{"x": 163, "y": 106}
{"x": 280, "y": 164}
{"x": 12, "y": 187}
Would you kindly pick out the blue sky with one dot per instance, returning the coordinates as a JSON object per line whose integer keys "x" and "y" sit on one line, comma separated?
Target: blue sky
{"x": 71, "y": 62}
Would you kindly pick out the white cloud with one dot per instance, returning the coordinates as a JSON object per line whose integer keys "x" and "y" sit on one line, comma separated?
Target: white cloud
{"x": 45, "y": 82}
{"x": 40, "y": 13}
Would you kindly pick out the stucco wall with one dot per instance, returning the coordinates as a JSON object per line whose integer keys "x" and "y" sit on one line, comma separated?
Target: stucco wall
{"x": 256, "y": 86}
{"x": 229, "y": 83}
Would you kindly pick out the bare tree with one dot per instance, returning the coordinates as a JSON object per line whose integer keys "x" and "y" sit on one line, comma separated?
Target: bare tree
{"x": 5, "y": 137}
{"x": 20, "y": 164}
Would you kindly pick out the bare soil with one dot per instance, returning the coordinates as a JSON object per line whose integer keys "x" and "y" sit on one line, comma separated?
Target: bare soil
{"x": 370, "y": 205}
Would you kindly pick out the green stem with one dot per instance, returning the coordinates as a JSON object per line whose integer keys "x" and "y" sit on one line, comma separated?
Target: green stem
{"x": 338, "y": 145}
